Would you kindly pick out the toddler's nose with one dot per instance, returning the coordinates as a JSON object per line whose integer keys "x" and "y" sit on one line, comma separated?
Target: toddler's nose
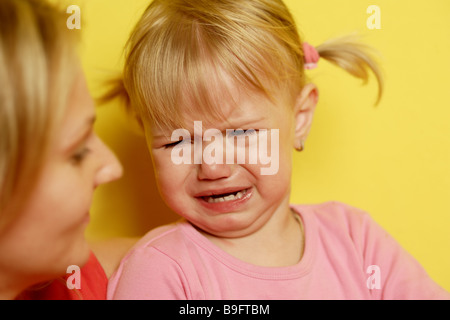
{"x": 213, "y": 171}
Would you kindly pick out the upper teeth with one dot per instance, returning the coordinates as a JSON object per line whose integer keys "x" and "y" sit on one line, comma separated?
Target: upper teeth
{"x": 230, "y": 197}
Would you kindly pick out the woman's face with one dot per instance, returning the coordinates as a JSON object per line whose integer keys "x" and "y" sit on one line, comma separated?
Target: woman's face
{"x": 47, "y": 236}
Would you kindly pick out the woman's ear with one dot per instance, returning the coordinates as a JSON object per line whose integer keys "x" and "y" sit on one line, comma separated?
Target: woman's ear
{"x": 304, "y": 108}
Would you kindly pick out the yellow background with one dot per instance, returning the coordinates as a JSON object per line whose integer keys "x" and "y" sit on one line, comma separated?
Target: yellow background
{"x": 391, "y": 160}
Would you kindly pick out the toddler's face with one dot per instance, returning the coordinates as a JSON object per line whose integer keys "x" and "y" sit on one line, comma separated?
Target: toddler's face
{"x": 227, "y": 199}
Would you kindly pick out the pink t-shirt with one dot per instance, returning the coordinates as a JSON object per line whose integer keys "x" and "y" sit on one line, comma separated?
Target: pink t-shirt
{"x": 346, "y": 256}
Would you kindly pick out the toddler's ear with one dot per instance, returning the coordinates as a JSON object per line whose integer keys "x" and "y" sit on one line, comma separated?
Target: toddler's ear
{"x": 304, "y": 108}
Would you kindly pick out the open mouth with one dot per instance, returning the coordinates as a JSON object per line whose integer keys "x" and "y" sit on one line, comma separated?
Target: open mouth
{"x": 224, "y": 197}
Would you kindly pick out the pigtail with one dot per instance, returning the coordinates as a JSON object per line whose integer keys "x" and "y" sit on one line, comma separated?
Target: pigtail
{"x": 116, "y": 90}
{"x": 354, "y": 57}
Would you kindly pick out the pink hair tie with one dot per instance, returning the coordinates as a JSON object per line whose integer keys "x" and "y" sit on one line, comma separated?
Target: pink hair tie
{"x": 311, "y": 56}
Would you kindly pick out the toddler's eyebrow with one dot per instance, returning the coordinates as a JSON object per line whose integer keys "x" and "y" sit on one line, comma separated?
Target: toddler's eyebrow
{"x": 246, "y": 124}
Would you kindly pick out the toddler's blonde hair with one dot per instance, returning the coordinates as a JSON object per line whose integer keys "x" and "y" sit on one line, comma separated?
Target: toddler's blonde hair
{"x": 180, "y": 50}
{"x": 38, "y": 61}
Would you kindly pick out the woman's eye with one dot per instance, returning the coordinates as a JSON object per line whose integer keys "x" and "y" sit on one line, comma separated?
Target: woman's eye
{"x": 78, "y": 157}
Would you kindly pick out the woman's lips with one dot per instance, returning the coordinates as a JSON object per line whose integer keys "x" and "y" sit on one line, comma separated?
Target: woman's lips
{"x": 225, "y": 200}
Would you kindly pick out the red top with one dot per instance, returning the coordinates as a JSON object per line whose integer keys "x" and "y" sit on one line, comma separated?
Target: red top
{"x": 93, "y": 285}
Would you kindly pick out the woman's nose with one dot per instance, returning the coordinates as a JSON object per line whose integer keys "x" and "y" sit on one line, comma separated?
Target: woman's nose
{"x": 110, "y": 168}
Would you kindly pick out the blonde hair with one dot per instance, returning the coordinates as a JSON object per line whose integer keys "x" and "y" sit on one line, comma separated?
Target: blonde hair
{"x": 38, "y": 63}
{"x": 180, "y": 50}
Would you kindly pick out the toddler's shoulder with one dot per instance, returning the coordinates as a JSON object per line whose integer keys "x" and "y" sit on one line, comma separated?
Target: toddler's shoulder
{"x": 163, "y": 237}
{"x": 162, "y": 247}
{"x": 335, "y": 215}
{"x": 152, "y": 269}
{"x": 333, "y": 210}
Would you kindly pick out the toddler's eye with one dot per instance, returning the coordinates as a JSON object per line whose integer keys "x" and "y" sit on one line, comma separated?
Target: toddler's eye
{"x": 240, "y": 132}
{"x": 170, "y": 145}
{"x": 173, "y": 144}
